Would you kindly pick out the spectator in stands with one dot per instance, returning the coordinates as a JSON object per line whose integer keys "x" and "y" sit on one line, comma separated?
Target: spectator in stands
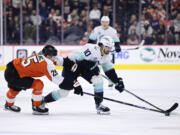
{"x": 135, "y": 27}
{"x": 107, "y": 9}
{"x": 154, "y": 23}
{"x": 171, "y": 38}
{"x": 160, "y": 12}
{"x": 58, "y": 33}
{"x": 52, "y": 13}
{"x": 56, "y": 5}
{"x": 176, "y": 22}
{"x": 83, "y": 16}
{"x": 27, "y": 22}
{"x": 43, "y": 34}
{"x": 162, "y": 29}
{"x": 49, "y": 3}
{"x": 16, "y": 30}
{"x": 52, "y": 26}
{"x": 29, "y": 31}
{"x": 95, "y": 15}
{"x": 16, "y": 3}
{"x": 43, "y": 11}
{"x": 149, "y": 40}
{"x": 141, "y": 23}
{"x": 167, "y": 21}
{"x": 147, "y": 28}
{"x": 66, "y": 9}
{"x": 174, "y": 13}
{"x": 10, "y": 29}
{"x": 72, "y": 16}
{"x": 133, "y": 38}
{"x": 160, "y": 39}
{"x": 132, "y": 19}
{"x": 35, "y": 19}
{"x": 29, "y": 8}
{"x": 57, "y": 17}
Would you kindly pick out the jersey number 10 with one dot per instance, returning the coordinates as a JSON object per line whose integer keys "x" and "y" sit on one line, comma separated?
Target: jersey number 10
{"x": 87, "y": 52}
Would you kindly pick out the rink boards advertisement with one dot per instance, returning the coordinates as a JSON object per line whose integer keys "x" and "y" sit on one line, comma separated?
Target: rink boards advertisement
{"x": 146, "y": 57}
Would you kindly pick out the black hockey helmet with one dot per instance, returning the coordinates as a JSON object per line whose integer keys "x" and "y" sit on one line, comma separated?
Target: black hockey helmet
{"x": 49, "y": 50}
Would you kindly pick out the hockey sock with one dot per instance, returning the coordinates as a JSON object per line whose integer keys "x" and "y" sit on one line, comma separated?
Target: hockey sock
{"x": 37, "y": 92}
{"x": 51, "y": 97}
{"x": 98, "y": 98}
{"x": 56, "y": 95}
{"x": 10, "y": 97}
{"x": 37, "y": 98}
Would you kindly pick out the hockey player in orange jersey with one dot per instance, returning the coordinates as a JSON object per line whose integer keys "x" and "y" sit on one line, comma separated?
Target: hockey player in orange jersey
{"x": 20, "y": 72}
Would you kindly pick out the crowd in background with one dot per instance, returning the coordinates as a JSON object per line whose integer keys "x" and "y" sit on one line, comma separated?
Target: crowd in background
{"x": 81, "y": 16}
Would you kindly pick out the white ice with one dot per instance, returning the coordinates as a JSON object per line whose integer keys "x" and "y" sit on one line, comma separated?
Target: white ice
{"x": 76, "y": 115}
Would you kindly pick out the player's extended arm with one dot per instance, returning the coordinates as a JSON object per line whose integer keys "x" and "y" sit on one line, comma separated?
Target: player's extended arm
{"x": 111, "y": 74}
{"x": 66, "y": 63}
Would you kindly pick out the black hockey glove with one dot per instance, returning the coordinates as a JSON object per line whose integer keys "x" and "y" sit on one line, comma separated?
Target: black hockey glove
{"x": 119, "y": 85}
{"x": 117, "y": 47}
{"x": 69, "y": 64}
{"x": 77, "y": 88}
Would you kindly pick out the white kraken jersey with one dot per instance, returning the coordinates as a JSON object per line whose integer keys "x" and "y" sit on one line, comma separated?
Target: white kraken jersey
{"x": 99, "y": 32}
{"x": 91, "y": 52}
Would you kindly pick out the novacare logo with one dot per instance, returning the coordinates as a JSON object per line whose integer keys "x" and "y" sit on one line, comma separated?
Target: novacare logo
{"x": 147, "y": 54}
{"x": 168, "y": 54}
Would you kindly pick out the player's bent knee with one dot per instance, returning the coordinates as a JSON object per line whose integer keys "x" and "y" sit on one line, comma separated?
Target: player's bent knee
{"x": 96, "y": 79}
{"x": 63, "y": 93}
{"x": 37, "y": 85}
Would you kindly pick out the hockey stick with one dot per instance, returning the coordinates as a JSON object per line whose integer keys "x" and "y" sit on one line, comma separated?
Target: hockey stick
{"x": 173, "y": 107}
{"x": 137, "y": 47}
{"x": 167, "y": 112}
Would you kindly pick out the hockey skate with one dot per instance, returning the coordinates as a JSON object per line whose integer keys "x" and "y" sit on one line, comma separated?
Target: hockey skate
{"x": 103, "y": 110}
{"x": 12, "y": 108}
{"x": 40, "y": 110}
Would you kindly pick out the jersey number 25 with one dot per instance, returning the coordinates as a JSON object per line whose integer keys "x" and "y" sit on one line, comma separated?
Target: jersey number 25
{"x": 28, "y": 61}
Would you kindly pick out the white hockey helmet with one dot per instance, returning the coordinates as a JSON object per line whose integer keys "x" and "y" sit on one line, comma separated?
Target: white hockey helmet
{"x": 107, "y": 41}
{"x": 105, "y": 19}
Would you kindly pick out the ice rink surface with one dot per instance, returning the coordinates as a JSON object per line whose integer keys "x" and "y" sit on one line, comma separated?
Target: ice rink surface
{"x": 76, "y": 115}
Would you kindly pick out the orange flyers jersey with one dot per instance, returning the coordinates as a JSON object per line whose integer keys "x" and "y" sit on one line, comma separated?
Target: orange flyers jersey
{"x": 37, "y": 66}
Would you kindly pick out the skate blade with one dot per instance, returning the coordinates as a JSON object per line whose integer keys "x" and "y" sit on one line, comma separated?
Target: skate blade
{"x": 103, "y": 113}
{"x": 5, "y": 109}
{"x": 40, "y": 113}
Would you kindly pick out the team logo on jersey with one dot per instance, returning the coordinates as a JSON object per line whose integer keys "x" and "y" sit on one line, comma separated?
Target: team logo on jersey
{"x": 147, "y": 54}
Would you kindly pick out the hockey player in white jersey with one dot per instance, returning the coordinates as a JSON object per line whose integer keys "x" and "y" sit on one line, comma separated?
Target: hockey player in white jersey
{"x": 88, "y": 58}
{"x": 105, "y": 30}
